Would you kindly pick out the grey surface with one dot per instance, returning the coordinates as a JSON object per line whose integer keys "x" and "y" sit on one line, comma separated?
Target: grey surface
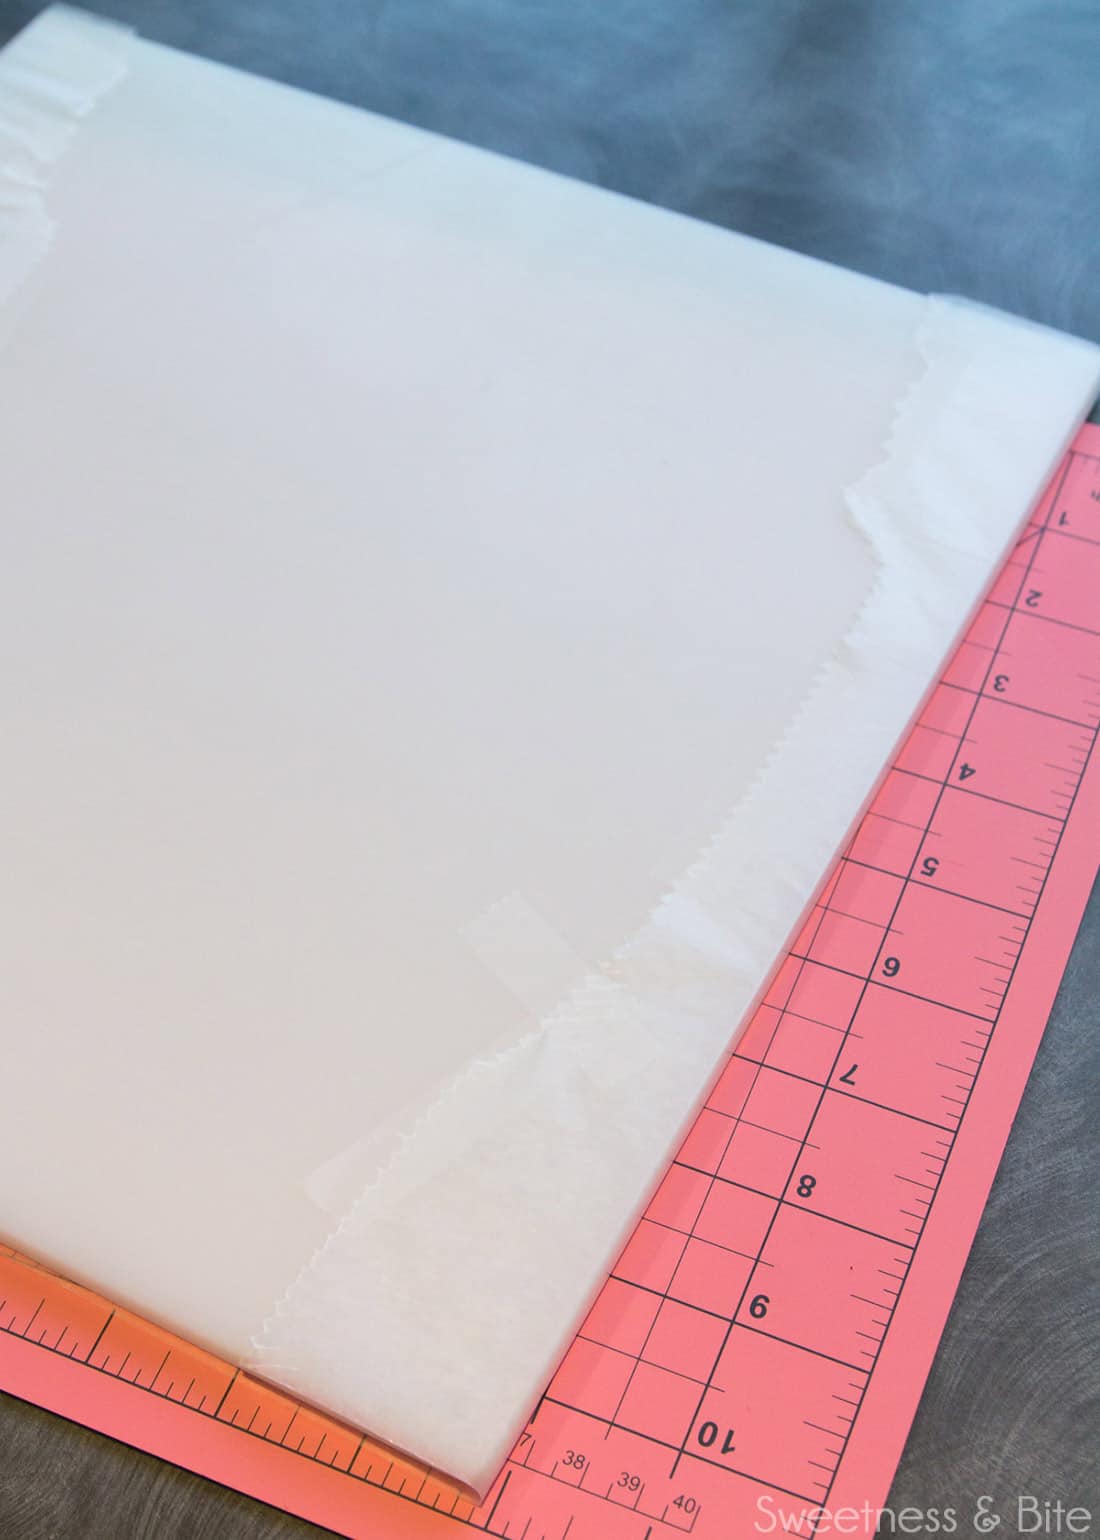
{"x": 950, "y": 146}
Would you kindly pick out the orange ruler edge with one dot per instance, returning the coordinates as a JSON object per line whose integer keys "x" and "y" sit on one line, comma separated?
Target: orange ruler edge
{"x": 756, "y": 1356}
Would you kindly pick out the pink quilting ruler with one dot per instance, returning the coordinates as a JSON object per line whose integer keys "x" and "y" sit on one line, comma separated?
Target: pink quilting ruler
{"x": 761, "y": 1344}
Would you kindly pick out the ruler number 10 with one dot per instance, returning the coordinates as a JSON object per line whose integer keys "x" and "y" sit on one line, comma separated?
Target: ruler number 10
{"x": 708, "y": 1436}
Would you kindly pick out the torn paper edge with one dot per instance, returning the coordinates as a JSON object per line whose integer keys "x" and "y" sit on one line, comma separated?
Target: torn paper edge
{"x": 52, "y": 75}
{"x": 438, "y": 1359}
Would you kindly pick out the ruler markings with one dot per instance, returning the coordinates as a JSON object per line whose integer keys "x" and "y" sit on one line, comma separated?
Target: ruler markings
{"x": 645, "y": 1343}
{"x": 960, "y": 738}
{"x": 985, "y": 1047}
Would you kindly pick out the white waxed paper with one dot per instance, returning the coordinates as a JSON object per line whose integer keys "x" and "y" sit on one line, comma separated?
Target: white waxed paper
{"x": 449, "y": 616}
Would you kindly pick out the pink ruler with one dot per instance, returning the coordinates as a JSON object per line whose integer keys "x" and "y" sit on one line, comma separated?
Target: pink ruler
{"x": 759, "y": 1350}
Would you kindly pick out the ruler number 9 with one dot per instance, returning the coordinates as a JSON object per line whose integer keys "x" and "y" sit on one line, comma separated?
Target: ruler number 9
{"x": 891, "y": 966}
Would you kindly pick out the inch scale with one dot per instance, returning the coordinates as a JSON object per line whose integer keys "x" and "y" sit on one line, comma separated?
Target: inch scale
{"x": 759, "y": 1349}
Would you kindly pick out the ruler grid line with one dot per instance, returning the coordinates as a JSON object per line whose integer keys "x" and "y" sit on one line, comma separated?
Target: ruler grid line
{"x": 874, "y": 964}
{"x": 985, "y": 1048}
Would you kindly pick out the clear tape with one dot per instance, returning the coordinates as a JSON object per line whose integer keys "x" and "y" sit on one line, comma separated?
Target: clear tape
{"x": 51, "y": 76}
{"x": 535, "y": 963}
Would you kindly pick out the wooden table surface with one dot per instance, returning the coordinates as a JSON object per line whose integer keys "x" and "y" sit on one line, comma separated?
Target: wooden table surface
{"x": 946, "y": 146}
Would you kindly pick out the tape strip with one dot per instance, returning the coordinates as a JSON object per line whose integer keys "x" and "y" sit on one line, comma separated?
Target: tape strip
{"x": 524, "y": 951}
{"x": 51, "y": 76}
{"x": 535, "y": 963}
{"x": 435, "y": 1310}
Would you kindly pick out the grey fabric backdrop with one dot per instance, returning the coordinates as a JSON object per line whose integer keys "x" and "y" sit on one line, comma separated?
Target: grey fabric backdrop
{"x": 951, "y": 146}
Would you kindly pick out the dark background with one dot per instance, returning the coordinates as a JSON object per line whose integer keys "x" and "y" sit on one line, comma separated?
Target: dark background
{"x": 943, "y": 144}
